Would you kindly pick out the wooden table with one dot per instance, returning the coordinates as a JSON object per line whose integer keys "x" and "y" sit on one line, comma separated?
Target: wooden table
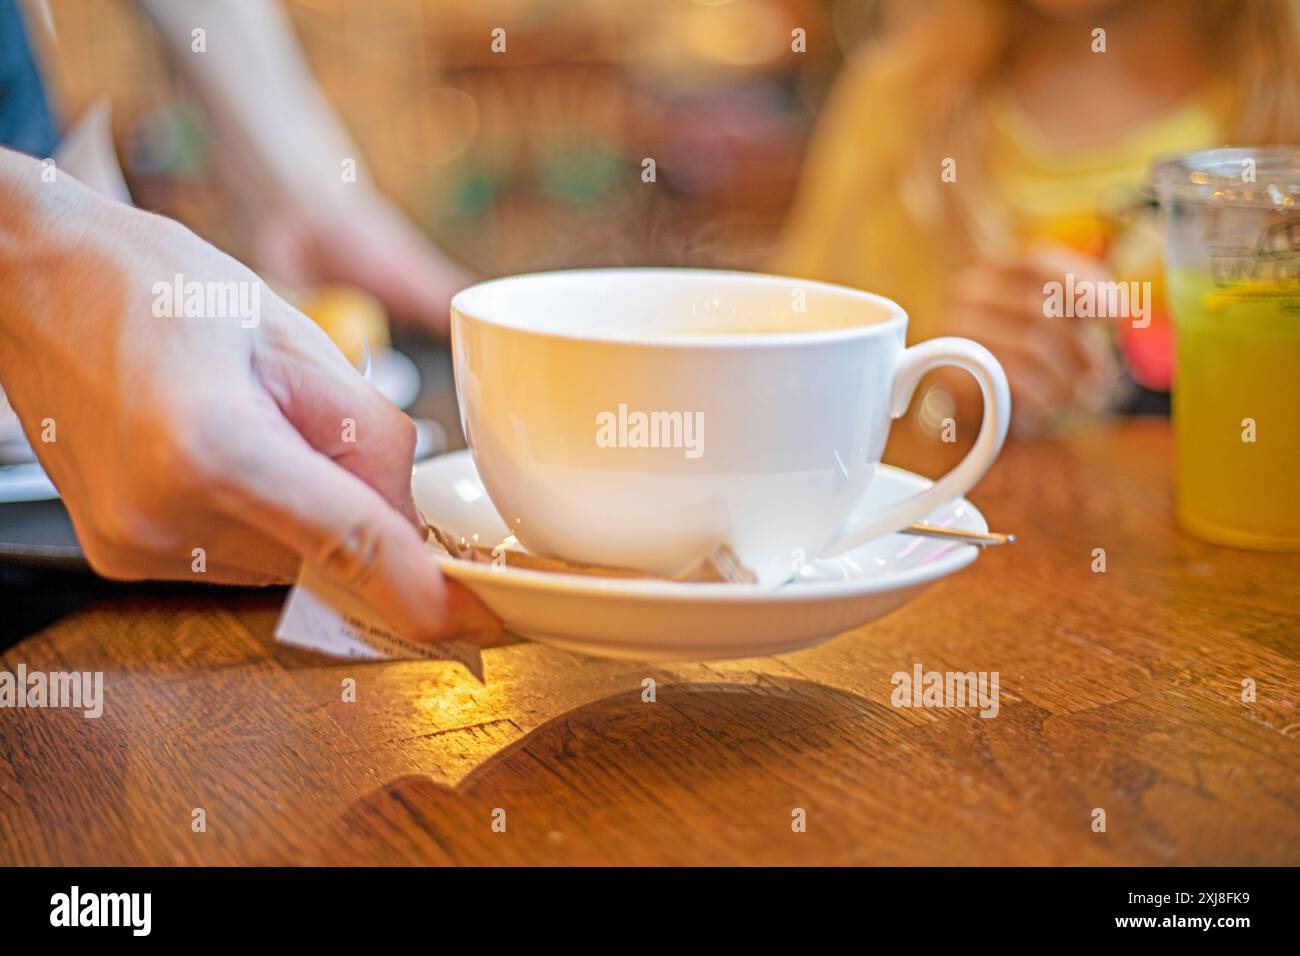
{"x": 1119, "y": 690}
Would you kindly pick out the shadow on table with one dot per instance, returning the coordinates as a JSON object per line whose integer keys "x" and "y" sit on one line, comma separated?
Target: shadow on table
{"x": 677, "y": 767}
{"x": 33, "y": 598}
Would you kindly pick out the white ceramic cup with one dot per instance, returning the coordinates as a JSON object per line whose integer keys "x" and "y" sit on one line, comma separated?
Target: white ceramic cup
{"x": 641, "y": 417}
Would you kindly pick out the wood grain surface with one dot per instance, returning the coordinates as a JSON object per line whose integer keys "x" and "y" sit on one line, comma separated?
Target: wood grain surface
{"x": 1119, "y": 690}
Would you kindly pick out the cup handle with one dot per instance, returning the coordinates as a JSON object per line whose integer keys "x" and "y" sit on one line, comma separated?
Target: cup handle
{"x": 914, "y": 363}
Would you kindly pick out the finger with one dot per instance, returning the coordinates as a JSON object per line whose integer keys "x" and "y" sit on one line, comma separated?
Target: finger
{"x": 1053, "y": 259}
{"x": 1032, "y": 346}
{"x": 1031, "y": 405}
{"x": 408, "y": 273}
{"x": 338, "y": 412}
{"x": 341, "y": 525}
{"x": 1048, "y": 262}
{"x": 1081, "y": 334}
{"x": 1096, "y": 388}
{"x": 1017, "y": 291}
{"x": 1054, "y": 262}
{"x": 418, "y": 294}
{"x": 397, "y": 264}
{"x": 1008, "y": 293}
{"x": 278, "y": 253}
{"x": 1043, "y": 261}
{"x": 1031, "y": 390}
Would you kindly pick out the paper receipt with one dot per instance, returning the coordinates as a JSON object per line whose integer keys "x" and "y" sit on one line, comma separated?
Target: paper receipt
{"x": 320, "y": 616}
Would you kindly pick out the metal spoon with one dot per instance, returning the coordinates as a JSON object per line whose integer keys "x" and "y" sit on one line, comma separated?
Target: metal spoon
{"x": 983, "y": 539}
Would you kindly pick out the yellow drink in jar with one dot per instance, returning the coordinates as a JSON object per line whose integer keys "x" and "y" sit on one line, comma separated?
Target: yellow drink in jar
{"x": 1237, "y": 408}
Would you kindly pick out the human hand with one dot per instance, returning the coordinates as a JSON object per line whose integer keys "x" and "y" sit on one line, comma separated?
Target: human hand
{"x": 227, "y": 434}
{"x": 366, "y": 243}
{"x": 1053, "y": 364}
{"x": 281, "y": 150}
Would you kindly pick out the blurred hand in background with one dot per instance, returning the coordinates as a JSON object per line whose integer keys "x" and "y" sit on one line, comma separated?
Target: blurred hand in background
{"x": 309, "y": 206}
{"x": 369, "y": 244}
{"x": 1055, "y": 365}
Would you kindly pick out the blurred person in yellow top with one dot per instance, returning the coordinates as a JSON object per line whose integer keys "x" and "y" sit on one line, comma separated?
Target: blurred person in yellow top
{"x": 978, "y": 151}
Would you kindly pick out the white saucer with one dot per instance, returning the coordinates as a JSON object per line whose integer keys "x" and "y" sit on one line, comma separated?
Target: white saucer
{"x": 655, "y": 620}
